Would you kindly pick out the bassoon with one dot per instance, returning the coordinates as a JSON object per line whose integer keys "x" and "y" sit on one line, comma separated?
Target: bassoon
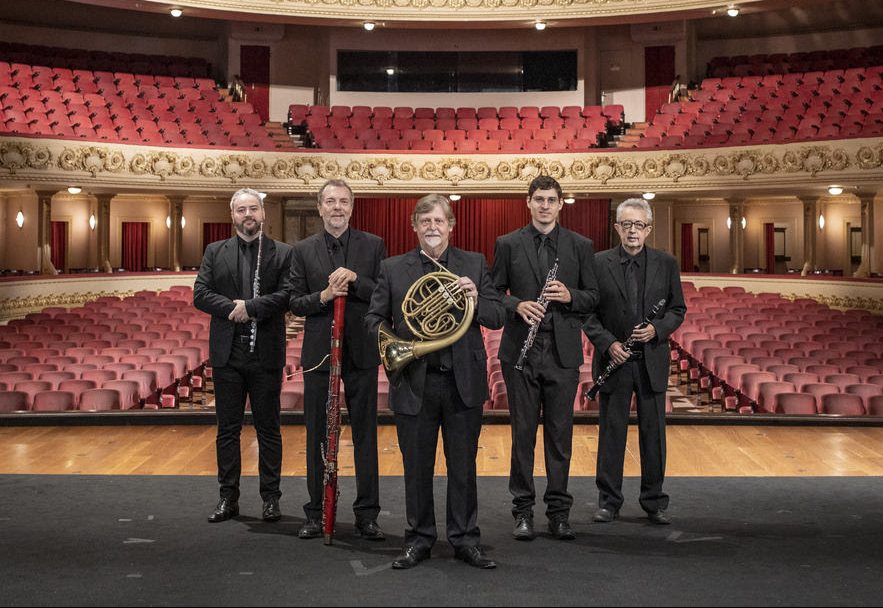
{"x": 332, "y": 427}
{"x": 612, "y": 366}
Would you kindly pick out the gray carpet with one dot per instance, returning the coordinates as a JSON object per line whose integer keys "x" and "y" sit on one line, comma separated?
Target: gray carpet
{"x": 144, "y": 541}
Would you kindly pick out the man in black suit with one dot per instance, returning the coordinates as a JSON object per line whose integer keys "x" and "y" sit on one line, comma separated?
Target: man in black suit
{"x": 246, "y": 347}
{"x": 632, "y": 278}
{"x": 340, "y": 261}
{"x": 444, "y": 388}
{"x": 546, "y": 385}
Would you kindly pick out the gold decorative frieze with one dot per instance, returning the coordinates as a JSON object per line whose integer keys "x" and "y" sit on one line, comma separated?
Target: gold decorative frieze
{"x": 857, "y": 161}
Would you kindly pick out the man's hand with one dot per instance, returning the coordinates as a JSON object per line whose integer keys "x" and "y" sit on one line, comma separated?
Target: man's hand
{"x": 239, "y": 313}
{"x": 644, "y": 335}
{"x": 530, "y": 311}
{"x": 618, "y": 354}
{"x": 338, "y": 284}
{"x": 469, "y": 289}
{"x": 557, "y": 291}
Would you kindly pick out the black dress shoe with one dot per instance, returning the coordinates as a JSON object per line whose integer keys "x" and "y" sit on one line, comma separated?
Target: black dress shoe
{"x": 369, "y": 529}
{"x": 226, "y": 509}
{"x": 660, "y": 518}
{"x": 560, "y": 529}
{"x": 605, "y": 515}
{"x": 523, "y": 527}
{"x": 311, "y": 529}
{"x": 410, "y": 557}
{"x": 475, "y": 557}
{"x": 271, "y": 510}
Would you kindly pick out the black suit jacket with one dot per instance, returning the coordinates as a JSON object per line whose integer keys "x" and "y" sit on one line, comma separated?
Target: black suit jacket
{"x": 397, "y": 274}
{"x": 609, "y": 323}
{"x": 516, "y": 269}
{"x": 310, "y": 267}
{"x": 217, "y": 285}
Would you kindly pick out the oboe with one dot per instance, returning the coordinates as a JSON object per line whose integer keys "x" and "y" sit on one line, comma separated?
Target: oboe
{"x": 535, "y": 326}
{"x": 612, "y": 366}
{"x": 332, "y": 429}
{"x": 256, "y": 288}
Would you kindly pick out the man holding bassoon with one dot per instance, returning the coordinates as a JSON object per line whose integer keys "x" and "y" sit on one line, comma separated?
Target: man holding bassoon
{"x": 339, "y": 262}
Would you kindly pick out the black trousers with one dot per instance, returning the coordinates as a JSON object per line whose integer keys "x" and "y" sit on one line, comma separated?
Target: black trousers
{"x": 612, "y": 434}
{"x": 544, "y": 388}
{"x": 361, "y": 403}
{"x": 418, "y": 440}
{"x": 244, "y": 376}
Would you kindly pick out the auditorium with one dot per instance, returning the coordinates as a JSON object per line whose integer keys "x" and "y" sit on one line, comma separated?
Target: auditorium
{"x": 748, "y": 135}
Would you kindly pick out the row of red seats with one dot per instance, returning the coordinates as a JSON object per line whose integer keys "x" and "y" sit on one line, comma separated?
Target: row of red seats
{"x": 101, "y": 60}
{"x": 299, "y": 113}
{"x": 447, "y": 124}
{"x": 746, "y": 349}
{"x": 126, "y": 108}
{"x": 781, "y": 63}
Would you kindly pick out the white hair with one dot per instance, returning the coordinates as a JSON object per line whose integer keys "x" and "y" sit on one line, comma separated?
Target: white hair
{"x": 635, "y": 203}
{"x": 246, "y": 192}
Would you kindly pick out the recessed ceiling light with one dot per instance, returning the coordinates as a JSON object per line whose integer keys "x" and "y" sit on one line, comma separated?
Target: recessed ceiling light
{"x": 369, "y": 26}
{"x": 74, "y": 189}
{"x": 835, "y": 190}
{"x": 176, "y": 12}
{"x": 649, "y": 196}
{"x": 733, "y": 11}
{"x": 540, "y": 25}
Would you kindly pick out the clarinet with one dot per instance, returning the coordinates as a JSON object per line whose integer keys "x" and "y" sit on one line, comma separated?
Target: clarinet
{"x": 612, "y": 367}
{"x": 535, "y": 326}
{"x": 256, "y": 289}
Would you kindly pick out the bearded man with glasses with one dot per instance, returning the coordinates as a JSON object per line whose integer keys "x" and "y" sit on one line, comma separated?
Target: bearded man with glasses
{"x": 632, "y": 278}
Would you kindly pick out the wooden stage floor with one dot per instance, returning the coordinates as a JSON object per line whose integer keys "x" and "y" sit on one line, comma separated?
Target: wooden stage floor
{"x": 700, "y": 450}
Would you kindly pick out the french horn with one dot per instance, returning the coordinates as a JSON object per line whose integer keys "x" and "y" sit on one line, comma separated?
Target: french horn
{"x": 431, "y": 308}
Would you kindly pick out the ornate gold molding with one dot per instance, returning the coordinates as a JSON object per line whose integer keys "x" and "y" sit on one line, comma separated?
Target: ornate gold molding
{"x": 12, "y": 308}
{"x": 452, "y": 10}
{"x": 138, "y": 166}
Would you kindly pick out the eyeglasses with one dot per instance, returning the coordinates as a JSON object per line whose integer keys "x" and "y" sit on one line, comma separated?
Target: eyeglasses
{"x": 627, "y": 225}
{"x": 539, "y": 200}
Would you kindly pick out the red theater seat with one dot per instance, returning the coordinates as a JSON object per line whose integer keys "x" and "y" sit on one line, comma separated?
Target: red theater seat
{"x": 842, "y": 404}
{"x": 796, "y": 403}
{"x": 13, "y": 401}
{"x": 53, "y": 401}
{"x": 99, "y": 399}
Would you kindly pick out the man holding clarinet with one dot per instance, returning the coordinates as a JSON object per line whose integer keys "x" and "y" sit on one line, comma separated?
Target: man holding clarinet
{"x": 633, "y": 280}
{"x": 339, "y": 262}
{"x": 548, "y": 307}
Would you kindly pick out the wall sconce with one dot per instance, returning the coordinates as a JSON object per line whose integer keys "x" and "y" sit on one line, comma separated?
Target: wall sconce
{"x": 744, "y": 223}
{"x": 821, "y": 221}
{"x": 648, "y": 196}
{"x": 454, "y": 198}
{"x": 92, "y": 221}
{"x": 729, "y": 223}
{"x": 540, "y": 25}
{"x": 74, "y": 190}
{"x": 168, "y": 222}
{"x": 183, "y": 222}
{"x": 19, "y": 219}
{"x": 835, "y": 190}
{"x": 569, "y": 200}
{"x": 733, "y": 11}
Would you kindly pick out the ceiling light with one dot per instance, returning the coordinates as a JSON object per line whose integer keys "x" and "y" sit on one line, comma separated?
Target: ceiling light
{"x": 454, "y": 197}
{"x": 649, "y": 196}
{"x": 569, "y": 200}
{"x": 540, "y": 25}
{"x": 263, "y": 195}
{"x": 176, "y": 12}
{"x": 733, "y": 11}
{"x": 369, "y": 26}
{"x": 74, "y": 189}
{"x": 390, "y": 71}
{"x": 835, "y": 190}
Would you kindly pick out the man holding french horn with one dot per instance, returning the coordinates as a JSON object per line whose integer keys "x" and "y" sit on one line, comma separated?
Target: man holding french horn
{"x": 427, "y": 308}
{"x": 544, "y": 273}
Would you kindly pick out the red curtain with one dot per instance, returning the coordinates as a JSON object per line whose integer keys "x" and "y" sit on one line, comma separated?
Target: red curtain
{"x": 479, "y": 221}
{"x": 134, "y": 255}
{"x": 59, "y": 245}
{"x": 215, "y": 231}
{"x": 687, "y": 248}
{"x": 659, "y": 73}
{"x": 769, "y": 239}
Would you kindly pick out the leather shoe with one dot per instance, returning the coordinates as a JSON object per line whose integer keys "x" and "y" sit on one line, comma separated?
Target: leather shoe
{"x": 410, "y": 557}
{"x": 523, "y": 527}
{"x": 560, "y": 529}
{"x": 271, "y": 510}
{"x": 311, "y": 529}
{"x": 475, "y": 557}
{"x": 660, "y": 518}
{"x": 369, "y": 529}
{"x": 605, "y": 515}
{"x": 226, "y": 509}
